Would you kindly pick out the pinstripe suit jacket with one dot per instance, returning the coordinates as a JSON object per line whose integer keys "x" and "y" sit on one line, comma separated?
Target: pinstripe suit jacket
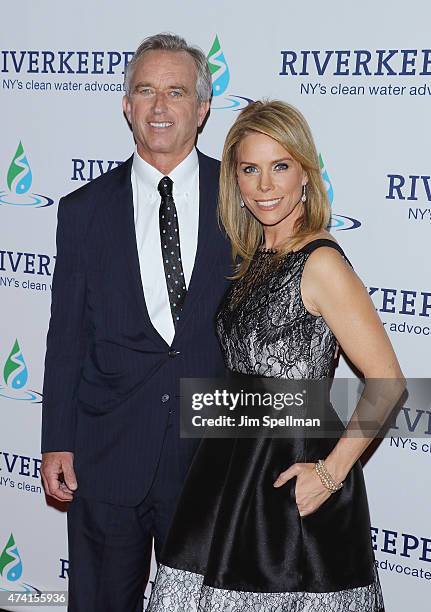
{"x": 111, "y": 381}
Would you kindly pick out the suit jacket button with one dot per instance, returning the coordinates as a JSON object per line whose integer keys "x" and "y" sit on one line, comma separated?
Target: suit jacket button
{"x": 165, "y": 398}
{"x": 173, "y": 353}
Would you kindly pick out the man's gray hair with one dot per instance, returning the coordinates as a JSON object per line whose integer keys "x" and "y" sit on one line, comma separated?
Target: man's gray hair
{"x": 174, "y": 43}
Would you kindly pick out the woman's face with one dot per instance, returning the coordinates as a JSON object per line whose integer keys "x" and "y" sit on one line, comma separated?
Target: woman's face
{"x": 270, "y": 181}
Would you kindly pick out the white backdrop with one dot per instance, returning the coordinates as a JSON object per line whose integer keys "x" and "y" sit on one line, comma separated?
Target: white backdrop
{"x": 362, "y": 77}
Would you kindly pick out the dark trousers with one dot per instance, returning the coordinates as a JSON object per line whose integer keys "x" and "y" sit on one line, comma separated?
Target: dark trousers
{"x": 110, "y": 546}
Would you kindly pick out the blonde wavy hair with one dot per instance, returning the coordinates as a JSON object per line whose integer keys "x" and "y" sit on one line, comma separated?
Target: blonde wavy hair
{"x": 286, "y": 125}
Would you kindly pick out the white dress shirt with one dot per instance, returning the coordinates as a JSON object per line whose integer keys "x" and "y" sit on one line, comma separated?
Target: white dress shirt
{"x": 146, "y": 203}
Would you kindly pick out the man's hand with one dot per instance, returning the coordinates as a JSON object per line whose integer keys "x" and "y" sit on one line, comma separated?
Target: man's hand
{"x": 58, "y": 475}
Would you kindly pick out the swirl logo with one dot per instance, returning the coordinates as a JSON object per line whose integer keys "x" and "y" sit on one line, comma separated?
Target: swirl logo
{"x": 337, "y": 222}
{"x": 15, "y": 376}
{"x": 19, "y": 181}
{"x": 220, "y": 78}
{"x": 11, "y": 569}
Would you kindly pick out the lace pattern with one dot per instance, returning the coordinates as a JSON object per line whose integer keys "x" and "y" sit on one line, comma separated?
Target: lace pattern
{"x": 264, "y": 327}
{"x": 180, "y": 591}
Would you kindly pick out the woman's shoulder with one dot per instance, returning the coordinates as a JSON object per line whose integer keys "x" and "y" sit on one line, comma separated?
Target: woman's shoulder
{"x": 325, "y": 257}
{"x": 324, "y": 254}
{"x": 321, "y": 241}
{"x": 326, "y": 269}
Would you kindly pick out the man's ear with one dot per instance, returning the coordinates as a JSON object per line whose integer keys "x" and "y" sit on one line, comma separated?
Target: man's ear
{"x": 202, "y": 111}
{"x": 126, "y": 107}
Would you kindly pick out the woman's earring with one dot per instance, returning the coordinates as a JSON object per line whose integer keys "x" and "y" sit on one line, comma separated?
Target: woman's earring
{"x": 241, "y": 203}
{"x": 304, "y": 194}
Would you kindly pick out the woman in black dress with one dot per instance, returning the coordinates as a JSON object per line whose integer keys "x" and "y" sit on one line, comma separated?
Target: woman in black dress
{"x": 281, "y": 524}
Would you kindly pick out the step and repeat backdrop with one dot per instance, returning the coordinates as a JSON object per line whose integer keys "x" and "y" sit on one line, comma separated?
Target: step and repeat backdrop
{"x": 362, "y": 77}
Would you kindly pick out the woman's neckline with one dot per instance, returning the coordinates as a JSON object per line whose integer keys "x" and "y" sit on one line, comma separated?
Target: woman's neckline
{"x": 267, "y": 251}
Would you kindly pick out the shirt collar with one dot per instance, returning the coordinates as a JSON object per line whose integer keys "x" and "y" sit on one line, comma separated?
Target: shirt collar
{"x": 182, "y": 175}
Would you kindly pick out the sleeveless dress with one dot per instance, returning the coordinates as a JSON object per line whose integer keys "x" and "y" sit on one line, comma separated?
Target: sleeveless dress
{"x": 237, "y": 544}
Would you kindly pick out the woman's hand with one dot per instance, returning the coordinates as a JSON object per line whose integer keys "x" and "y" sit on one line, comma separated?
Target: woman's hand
{"x": 310, "y": 493}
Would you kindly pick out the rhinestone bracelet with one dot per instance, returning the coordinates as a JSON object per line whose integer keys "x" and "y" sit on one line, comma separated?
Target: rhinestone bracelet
{"x": 326, "y": 477}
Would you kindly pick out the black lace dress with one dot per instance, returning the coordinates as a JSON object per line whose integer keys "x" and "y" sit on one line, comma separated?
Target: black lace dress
{"x": 237, "y": 544}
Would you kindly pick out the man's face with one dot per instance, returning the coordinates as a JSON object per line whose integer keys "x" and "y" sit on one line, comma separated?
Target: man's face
{"x": 162, "y": 107}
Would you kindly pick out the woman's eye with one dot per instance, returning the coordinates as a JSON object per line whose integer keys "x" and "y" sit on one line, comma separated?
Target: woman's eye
{"x": 249, "y": 169}
{"x": 281, "y": 166}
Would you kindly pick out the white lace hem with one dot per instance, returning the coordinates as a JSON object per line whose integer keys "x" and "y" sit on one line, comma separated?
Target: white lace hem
{"x": 180, "y": 591}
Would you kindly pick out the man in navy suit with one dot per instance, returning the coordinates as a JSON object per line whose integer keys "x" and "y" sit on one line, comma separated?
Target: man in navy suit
{"x": 141, "y": 269}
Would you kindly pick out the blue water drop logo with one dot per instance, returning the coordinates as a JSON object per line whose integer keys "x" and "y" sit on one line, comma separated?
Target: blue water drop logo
{"x": 19, "y": 180}
{"x": 10, "y": 561}
{"x": 19, "y": 176}
{"x": 15, "y": 371}
{"x": 218, "y": 68}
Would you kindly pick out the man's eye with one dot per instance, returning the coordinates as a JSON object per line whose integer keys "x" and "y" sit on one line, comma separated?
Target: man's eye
{"x": 250, "y": 169}
{"x": 145, "y": 91}
{"x": 176, "y": 93}
{"x": 281, "y": 166}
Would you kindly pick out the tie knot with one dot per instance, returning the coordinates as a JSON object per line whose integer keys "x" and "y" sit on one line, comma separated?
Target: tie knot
{"x": 165, "y": 187}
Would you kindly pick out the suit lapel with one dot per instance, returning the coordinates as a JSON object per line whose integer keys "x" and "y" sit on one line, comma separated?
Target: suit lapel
{"x": 123, "y": 224}
{"x": 207, "y": 241}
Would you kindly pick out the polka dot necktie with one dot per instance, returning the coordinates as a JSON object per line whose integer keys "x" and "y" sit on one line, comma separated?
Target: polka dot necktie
{"x": 171, "y": 251}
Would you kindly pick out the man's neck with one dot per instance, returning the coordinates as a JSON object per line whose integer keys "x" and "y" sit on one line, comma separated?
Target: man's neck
{"x": 163, "y": 162}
